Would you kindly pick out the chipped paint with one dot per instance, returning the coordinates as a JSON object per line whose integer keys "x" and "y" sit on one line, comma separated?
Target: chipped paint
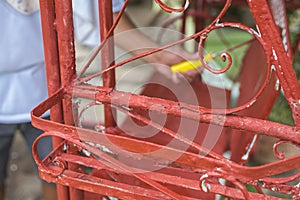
{"x": 274, "y": 54}
{"x": 251, "y": 103}
{"x": 273, "y": 68}
{"x": 187, "y": 4}
{"x": 130, "y": 185}
{"x": 100, "y": 128}
{"x": 277, "y": 85}
{"x": 105, "y": 149}
{"x": 256, "y": 32}
{"x": 250, "y": 148}
{"x": 86, "y": 152}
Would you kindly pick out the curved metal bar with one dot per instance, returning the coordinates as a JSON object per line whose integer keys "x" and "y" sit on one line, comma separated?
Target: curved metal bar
{"x": 167, "y": 8}
{"x": 215, "y": 165}
{"x": 109, "y": 33}
{"x": 257, "y": 36}
{"x": 203, "y": 35}
{"x": 196, "y": 35}
{"x": 79, "y": 118}
{"x": 281, "y": 155}
{"x": 104, "y": 156}
{"x": 224, "y": 56}
{"x": 281, "y": 180}
{"x": 243, "y": 173}
{"x": 219, "y": 173}
{"x": 41, "y": 165}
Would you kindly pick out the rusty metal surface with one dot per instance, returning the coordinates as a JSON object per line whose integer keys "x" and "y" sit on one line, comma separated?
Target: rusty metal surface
{"x": 99, "y": 159}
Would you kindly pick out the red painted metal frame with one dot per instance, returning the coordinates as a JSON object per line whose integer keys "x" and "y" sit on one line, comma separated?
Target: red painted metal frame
{"x": 107, "y": 55}
{"x": 53, "y": 71}
{"x": 90, "y": 163}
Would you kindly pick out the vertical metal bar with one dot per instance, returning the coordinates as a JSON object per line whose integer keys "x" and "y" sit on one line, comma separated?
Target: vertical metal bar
{"x": 106, "y": 21}
{"x": 200, "y": 21}
{"x": 282, "y": 63}
{"x": 278, "y": 10}
{"x": 200, "y": 6}
{"x": 47, "y": 9}
{"x": 65, "y": 34}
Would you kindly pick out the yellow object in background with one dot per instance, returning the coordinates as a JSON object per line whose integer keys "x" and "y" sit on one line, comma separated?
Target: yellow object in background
{"x": 190, "y": 64}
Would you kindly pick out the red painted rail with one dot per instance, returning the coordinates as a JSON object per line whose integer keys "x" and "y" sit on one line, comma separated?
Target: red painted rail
{"x": 98, "y": 159}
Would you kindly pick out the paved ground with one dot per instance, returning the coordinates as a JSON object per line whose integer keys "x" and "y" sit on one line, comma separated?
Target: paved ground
{"x": 22, "y": 182}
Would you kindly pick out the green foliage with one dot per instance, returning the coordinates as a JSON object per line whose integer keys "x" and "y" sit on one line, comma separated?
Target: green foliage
{"x": 297, "y": 64}
{"x": 281, "y": 112}
{"x": 221, "y": 39}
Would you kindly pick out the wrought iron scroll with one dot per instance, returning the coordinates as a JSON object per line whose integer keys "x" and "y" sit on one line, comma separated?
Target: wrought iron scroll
{"x": 197, "y": 173}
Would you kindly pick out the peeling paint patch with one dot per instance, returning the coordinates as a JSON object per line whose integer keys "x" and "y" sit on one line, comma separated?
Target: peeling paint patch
{"x": 257, "y": 31}
{"x": 106, "y": 150}
{"x": 252, "y": 102}
{"x": 86, "y": 152}
{"x": 219, "y": 24}
{"x": 273, "y": 68}
{"x": 274, "y": 54}
{"x": 250, "y": 147}
{"x": 277, "y": 85}
{"x": 187, "y": 4}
